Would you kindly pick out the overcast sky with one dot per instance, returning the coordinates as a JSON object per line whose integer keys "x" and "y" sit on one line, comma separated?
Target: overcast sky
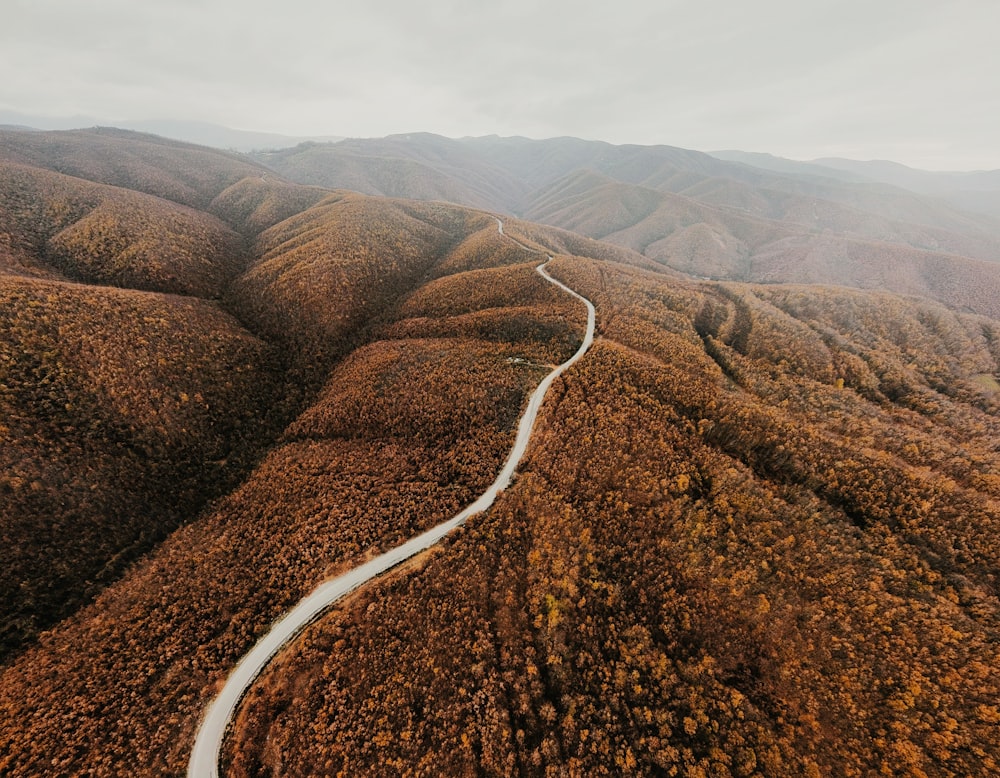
{"x": 916, "y": 81}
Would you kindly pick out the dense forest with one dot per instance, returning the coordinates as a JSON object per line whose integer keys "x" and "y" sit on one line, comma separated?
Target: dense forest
{"x": 756, "y": 531}
{"x": 754, "y": 538}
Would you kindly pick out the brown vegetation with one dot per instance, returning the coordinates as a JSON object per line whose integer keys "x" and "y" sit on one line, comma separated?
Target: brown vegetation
{"x": 404, "y": 434}
{"x": 416, "y": 167}
{"x": 834, "y": 246}
{"x": 321, "y": 275}
{"x": 120, "y": 413}
{"x": 256, "y": 203}
{"x": 187, "y": 174}
{"x": 753, "y": 538}
{"x": 105, "y": 235}
{"x": 756, "y": 532}
{"x": 478, "y": 303}
{"x": 379, "y": 458}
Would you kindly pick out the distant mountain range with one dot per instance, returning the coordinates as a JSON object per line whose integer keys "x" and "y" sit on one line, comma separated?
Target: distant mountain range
{"x": 776, "y": 222}
{"x": 202, "y": 133}
{"x": 730, "y": 216}
{"x": 972, "y": 191}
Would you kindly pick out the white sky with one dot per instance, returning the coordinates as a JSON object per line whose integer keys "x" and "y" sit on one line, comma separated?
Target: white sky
{"x": 916, "y": 81}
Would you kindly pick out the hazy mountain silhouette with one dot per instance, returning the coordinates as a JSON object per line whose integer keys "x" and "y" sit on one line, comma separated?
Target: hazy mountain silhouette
{"x": 977, "y": 191}
{"x": 691, "y": 211}
{"x": 202, "y": 133}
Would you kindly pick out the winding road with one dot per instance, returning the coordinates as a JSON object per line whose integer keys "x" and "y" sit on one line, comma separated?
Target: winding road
{"x": 204, "y": 762}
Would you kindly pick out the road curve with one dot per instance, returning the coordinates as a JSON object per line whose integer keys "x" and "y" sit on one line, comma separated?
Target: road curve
{"x": 204, "y": 761}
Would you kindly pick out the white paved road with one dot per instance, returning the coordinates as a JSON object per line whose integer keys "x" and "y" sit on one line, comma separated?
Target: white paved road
{"x": 204, "y": 762}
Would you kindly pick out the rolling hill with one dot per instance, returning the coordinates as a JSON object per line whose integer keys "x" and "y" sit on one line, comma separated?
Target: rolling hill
{"x": 181, "y": 172}
{"x": 701, "y": 215}
{"x": 849, "y": 249}
{"x": 755, "y": 532}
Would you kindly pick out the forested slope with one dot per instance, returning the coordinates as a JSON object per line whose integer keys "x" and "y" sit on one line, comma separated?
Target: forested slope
{"x": 687, "y": 211}
{"x": 129, "y": 396}
{"x": 812, "y": 242}
{"x": 403, "y": 433}
{"x": 119, "y": 413}
{"x": 181, "y": 172}
{"x": 62, "y": 226}
{"x": 755, "y": 534}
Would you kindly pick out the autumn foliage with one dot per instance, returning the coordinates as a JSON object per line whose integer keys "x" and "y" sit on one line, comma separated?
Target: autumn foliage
{"x": 741, "y": 547}
{"x": 171, "y": 170}
{"x": 102, "y": 388}
{"x": 65, "y": 227}
{"x": 756, "y": 531}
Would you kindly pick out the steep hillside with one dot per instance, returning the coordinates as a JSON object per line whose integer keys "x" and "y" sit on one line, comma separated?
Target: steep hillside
{"x": 99, "y": 463}
{"x": 59, "y": 225}
{"x": 754, "y": 537}
{"x": 405, "y": 431}
{"x": 120, "y": 413}
{"x": 498, "y": 173}
{"x": 964, "y": 284}
{"x": 320, "y": 276}
{"x": 507, "y": 173}
{"x": 599, "y": 206}
{"x": 767, "y": 193}
{"x": 255, "y": 203}
{"x": 704, "y": 216}
{"x": 757, "y": 532}
{"x": 129, "y": 398}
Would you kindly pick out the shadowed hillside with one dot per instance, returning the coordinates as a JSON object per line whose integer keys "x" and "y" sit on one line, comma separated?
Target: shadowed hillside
{"x": 120, "y": 412}
{"x": 95, "y": 477}
{"x": 405, "y": 431}
{"x": 58, "y": 225}
{"x": 320, "y": 276}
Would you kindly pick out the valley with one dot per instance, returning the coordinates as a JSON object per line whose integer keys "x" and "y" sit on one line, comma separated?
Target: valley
{"x": 208, "y": 743}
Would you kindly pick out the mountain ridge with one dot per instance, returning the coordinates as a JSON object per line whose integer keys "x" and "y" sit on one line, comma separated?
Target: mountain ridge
{"x": 199, "y": 132}
{"x": 977, "y": 191}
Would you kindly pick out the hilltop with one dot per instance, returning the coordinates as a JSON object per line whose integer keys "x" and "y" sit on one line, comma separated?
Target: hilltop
{"x": 773, "y": 222}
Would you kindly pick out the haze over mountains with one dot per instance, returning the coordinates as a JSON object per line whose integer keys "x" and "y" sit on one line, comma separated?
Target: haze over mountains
{"x": 687, "y": 210}
{"x": 973, "y": 190}
{"x": 755, "y": 534}
{"x": 204, "y": 133}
